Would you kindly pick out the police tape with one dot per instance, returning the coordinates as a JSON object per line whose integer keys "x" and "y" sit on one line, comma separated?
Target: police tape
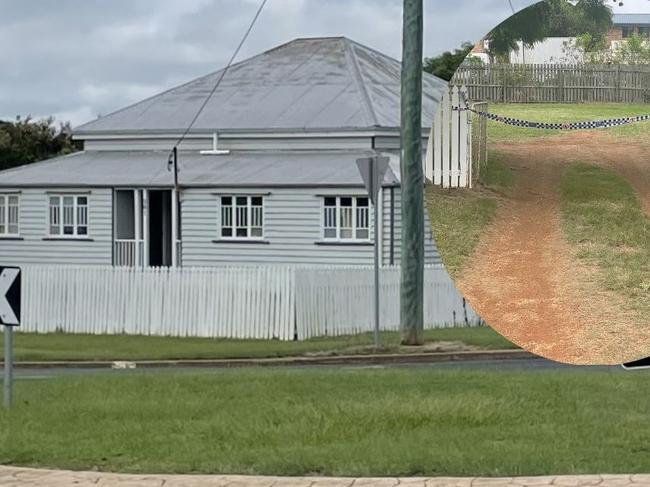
{"x": 590, "y": 125}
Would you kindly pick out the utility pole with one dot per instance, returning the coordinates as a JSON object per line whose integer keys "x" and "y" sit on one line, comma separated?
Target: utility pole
{"x": 412, "y": 186}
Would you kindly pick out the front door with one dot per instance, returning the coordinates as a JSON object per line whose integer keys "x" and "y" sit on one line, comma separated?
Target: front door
{"x": 160, "y": 228}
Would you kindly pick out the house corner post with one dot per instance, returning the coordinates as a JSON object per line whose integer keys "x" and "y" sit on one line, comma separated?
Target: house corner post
{"x": 412, "y": 185}
{"x": 175, "y": 227}
{"x": 137, "y": 234}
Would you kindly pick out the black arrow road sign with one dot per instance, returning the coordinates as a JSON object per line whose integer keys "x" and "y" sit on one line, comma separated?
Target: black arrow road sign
{"x": 10, "y": 296}
{"x": 639, "y": 364}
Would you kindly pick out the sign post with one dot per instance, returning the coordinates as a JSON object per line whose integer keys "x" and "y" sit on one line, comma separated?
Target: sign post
{"x": 9, "y": 317}
{"x": 373, "y": 169}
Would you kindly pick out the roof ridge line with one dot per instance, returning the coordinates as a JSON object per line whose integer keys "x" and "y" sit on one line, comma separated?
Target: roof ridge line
{"x": 359, "y": 81}
{"x": 182, "y": 85}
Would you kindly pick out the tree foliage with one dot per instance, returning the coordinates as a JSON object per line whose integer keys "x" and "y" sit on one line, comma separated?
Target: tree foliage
{"x": 635, "y": 51}
{"x": 445, "y": 65}
{"x": 24, "y": 141}
{"x": 632, "y": 51}
{"x": 551, "y": 18}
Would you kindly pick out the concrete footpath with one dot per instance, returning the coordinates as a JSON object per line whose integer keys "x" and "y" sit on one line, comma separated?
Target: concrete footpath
{"x": 25, "y": 477}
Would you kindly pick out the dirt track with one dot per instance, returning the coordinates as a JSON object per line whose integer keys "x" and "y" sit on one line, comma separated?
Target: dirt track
{"x": 524, "y": 279}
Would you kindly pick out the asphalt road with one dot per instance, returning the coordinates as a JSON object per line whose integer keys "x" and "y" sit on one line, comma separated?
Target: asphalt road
{"x": 528, "y": 365}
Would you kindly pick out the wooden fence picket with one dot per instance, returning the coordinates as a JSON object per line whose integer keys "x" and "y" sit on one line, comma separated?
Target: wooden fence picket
{"x": 555, "y": 83}
{"x": 449, "y": 154}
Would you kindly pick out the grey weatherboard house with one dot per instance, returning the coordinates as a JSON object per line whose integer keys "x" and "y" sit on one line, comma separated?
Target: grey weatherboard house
{"x": 266, "y": 176}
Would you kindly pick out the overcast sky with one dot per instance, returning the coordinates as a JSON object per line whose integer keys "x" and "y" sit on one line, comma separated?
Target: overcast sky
{"x": 76, "y": 59}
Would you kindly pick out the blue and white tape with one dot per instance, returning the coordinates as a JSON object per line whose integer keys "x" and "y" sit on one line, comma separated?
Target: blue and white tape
{"x": 590, "y": 125}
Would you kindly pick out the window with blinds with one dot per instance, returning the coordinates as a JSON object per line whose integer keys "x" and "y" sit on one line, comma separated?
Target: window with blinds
{"x": 9, "y": 211}
{"x": 242, "y": 217}
{"x": 346, "y": 218}
{"x": 68, "y": 216}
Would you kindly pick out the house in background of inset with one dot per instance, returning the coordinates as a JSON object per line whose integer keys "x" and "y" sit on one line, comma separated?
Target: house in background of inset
{"x": 267, "y": 175}
{"x": 558, "y": 50}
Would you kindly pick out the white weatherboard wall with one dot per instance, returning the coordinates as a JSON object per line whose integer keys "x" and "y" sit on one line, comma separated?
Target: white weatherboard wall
{"x": 292, "y": 230}
{"x": 264, "y": 302}
{"x": 33, "y": 245}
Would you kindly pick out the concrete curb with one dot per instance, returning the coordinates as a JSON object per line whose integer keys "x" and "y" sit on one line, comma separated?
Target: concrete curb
{"x": 27, "y": 477}
{"x": 378, "y": 359}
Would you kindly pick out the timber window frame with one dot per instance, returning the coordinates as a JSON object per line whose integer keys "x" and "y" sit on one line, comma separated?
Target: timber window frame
{"x": 345, "y": 219}
{"x": 9, "y": 215}
{"x": 241, "y": 217}
{"x": 68, "y": 216}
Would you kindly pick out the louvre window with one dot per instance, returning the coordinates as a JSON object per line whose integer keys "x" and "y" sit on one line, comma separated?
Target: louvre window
{"x": 346, "y": 218}
{"x": 68, "y": 216}
{"x": 242, "y": 217}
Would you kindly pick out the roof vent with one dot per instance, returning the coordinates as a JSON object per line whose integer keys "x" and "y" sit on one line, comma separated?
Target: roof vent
{"x": 215, "y": 148}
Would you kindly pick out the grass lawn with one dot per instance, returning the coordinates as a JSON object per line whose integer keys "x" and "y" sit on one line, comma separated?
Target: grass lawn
{"x": 603, "y": 217}
{"x": 60, "y": 346}
{"x": 551, "y": 112}
{"x": 334, "y": 422}
{"x": 458, "y": 216}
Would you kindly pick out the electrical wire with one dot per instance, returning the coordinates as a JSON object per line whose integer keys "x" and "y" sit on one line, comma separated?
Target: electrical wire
{"x": 512, "y": 7}
{"x": 223, "y": 74}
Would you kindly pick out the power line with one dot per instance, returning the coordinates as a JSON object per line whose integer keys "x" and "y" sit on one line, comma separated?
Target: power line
{"x": 223, "y": 74}
{"x": 512, "y": 7}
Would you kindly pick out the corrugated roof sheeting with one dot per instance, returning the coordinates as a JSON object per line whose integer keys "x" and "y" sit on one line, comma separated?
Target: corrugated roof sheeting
{"x": 320, "y": 83}
{"x": 623, "y": 19}
{"x": 149, "y": 169}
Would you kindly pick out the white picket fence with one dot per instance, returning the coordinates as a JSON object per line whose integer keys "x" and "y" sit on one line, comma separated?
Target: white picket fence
{"x": 455, "y": 143}
{"x": 338, "y": 301}
{"x": 269, "y": 302}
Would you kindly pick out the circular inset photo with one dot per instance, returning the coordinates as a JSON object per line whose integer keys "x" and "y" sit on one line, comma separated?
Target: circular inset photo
{"x": 538, "y": 177}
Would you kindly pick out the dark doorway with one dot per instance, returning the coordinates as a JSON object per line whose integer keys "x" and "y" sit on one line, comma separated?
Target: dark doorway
{"x": 160, "y": 234}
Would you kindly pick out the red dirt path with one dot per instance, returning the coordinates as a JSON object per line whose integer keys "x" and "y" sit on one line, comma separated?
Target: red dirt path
{"x": 524, "y": 279}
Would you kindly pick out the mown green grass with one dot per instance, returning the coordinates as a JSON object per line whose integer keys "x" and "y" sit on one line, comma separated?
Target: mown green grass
{"x": 603, "y": 217}
{"x": 459, "y": 216}
{"x": 60, "y": 346}
{"x": 541, "y": 112}
{"x": 334, "y": 422}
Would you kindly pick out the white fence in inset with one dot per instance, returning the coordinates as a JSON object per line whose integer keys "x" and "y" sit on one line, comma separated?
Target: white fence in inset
{"x": 270, "y": 302}
{"x": 455, "y": 143}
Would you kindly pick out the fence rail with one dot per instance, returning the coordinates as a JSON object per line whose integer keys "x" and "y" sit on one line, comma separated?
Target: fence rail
{"x": 555, "y": 83}
{"x": 270, "y": 302}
